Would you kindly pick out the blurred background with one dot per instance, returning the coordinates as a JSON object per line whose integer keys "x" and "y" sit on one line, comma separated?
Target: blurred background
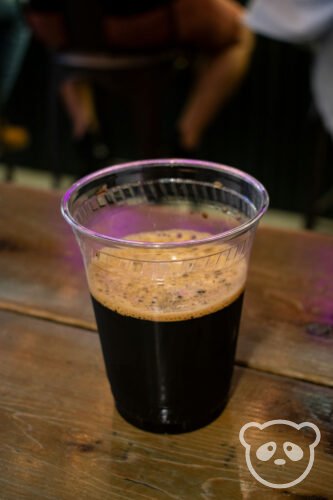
{"x": 268, "y": 127}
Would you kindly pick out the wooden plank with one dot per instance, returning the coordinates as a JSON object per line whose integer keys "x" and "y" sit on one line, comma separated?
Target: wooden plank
{"x": 40, "y": 267}
{"x": 60, "y": 436}
{"x": 287, "y": 324}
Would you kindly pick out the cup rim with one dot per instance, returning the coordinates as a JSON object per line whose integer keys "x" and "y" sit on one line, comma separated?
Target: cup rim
{"x": 224, "y": 236}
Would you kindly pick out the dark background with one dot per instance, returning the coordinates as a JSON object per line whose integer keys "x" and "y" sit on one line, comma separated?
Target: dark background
{"x": 269, "y": 128}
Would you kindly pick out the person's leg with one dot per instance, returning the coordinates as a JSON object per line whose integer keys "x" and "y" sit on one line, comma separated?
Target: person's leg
{"x": 78, "y": 98}
{"x": 79, "y": 103}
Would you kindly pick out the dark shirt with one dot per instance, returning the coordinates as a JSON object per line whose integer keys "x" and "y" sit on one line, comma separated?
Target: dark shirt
{"x": 83, "y": 19}
{"x": 109, "y": 7}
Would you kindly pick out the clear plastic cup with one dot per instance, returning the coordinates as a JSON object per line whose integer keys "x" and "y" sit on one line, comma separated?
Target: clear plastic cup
{"x": 166, "y": 246}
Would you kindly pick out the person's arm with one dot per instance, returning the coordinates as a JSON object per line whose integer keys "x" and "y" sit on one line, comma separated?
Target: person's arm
{"x": 219, "y": 31}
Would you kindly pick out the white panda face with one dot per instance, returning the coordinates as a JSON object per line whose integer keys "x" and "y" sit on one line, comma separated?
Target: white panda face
{"x": 279, "y": 453}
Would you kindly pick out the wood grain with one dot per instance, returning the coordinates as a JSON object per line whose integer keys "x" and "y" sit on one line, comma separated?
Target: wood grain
{"x": 61, "y": 438}
{"x": 287, "y": 325}
{"x": 40, "y": 264}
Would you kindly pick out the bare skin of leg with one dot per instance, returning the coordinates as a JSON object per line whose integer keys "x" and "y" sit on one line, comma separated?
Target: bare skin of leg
{"x": 222, "y": 72}
{"x": 79, "y": 102}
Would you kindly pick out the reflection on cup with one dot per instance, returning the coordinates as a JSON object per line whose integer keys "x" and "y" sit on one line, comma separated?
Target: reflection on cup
{"x": 166, "y": 246}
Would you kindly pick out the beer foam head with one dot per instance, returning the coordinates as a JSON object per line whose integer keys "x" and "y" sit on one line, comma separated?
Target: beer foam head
{"x": 168, "y": 284}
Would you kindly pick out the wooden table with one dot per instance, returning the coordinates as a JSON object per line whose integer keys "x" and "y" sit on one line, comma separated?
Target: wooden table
{"x": 60, "y": 435}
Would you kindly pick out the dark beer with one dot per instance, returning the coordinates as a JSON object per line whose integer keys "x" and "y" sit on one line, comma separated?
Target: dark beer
{"x": 169, "y": 376}
{"x": 168, "y": 322}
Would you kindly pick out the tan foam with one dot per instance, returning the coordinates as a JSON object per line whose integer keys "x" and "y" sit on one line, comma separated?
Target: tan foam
{"x": 190, "y": 282}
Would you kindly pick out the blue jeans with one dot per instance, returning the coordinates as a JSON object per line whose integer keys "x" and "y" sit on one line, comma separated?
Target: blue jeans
{"x": 14, "y": 37}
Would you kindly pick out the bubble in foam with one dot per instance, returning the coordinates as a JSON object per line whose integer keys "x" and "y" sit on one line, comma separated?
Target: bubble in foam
{"x": 167, "y": 284}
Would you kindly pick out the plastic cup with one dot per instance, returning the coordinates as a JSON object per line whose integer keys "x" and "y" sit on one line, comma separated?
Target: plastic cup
{"x": 166, "y": 246}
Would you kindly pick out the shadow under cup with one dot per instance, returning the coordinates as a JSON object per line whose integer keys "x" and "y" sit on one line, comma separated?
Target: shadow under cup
{"x": 166, "y": 245}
